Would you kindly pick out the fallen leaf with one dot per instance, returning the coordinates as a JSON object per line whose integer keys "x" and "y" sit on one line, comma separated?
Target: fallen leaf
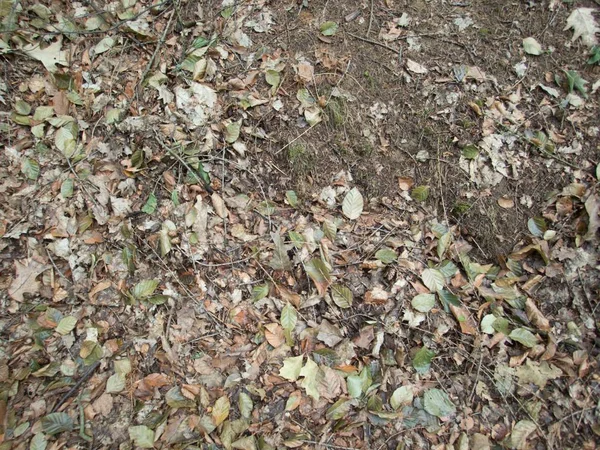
{"x": 25, "y": 282}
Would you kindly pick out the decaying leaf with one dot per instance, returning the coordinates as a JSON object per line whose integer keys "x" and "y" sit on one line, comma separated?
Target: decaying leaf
{"x": 25, "y": 281}
{"x": 584, "y": 26}
{"x": 319, "y": 273}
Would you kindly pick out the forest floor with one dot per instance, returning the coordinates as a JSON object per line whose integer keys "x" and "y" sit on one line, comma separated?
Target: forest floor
{"x": 305, "y": 224}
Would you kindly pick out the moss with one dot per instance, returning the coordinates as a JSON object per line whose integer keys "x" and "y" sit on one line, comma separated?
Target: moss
{"x": 460, "y": 208}
{"x": 364, "y": 149}
{"x": 336, "y": 109}
{"x": 299, "y": 158}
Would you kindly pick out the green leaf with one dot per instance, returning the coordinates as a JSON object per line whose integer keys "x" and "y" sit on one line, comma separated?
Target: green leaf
{"x": 358, "y": 384}
{"x": 42, "y": 113}
{"x": 38, "y": 442}
{"x": 443, "y": 244}
{"x": 144, "y": 288}
{"x": 220, "y": 410}
{"x": 353, "y": 204}
{"x": 402, "y": 396}
{"x": 422, "y": 360}
{"x": 297, "y": 239}
{"x": 289, "y": 317}
{"x": 329, "y": 229}
{"x": 260, "y": 291}
{"x": 65, "y": 142}
{"x": 291, "y": 368}
{"x": 354, "y": 384}
{"x": 114, "y": 116}
{"x": 470, "y": 151}
{"x": 115, "y": 383}
{"x": 22, "y": 428}
{"x": 386, "y": 255}
{"x": 594, "y": 55}
{"x": 30, "y": 168}
{"x": 104, "y": 45}
{"x": 520, "y": 433}
{"x": 66, "y": 188}
{"x": 142, "y": 436}
{"x": 200, "y": 42}
{"x": 447, "y": 268}
{"x": 525, "y": 337}
{"x": 448, "y": 298}
{"x": 292, "y": 198}
{"x": 341, "y": 296}
{"x": 57, "y": 422}
{"x": 273, "y": 78}
{"x": 423, "y": 302}
{"x": 75, "y": 98}
{"x": 433, "y": 279}
{"x": 266, "y": 208}
{"x": 437, "y": 403}
{"x": 137, "y": 159}
{"x": 175, "y": 399}
{"x": 537, "y": 226}
{"x": 66, "y": 325}
{"x": 245, "y": 405}
{"x": 532, "y": 46}
{"x": 318, "y": 271}
{"x": 487, "y": 323}
{"x": 328, "y": 28}
{"x": 150, "y": 205}
{"x": 313, "y": 376}
{"x": 22, "y": 108}
{"x": 175, "y": 198}
{"x": 501, "y": 325}
{"x": 420, "y": 193}
{"x": 232, "y": 131}
{"x": 575, "y": 82}
{"x": 338, "y": 410}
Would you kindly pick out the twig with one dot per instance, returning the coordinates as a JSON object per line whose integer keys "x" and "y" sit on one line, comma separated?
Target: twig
{"x": 370, "y": 19}
{"x": 159, "y": 45}
{"x": 91, "y": 32}
{"x": 76, "y": 386}
{"x": 182, "y": 161}
{"x": 339, "y": 447}
{"x": 295, "y": 139}
{"x": 380, "y": 44}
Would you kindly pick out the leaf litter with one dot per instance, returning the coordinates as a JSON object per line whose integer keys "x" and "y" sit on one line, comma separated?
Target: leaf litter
{"x": 161, "y": 293}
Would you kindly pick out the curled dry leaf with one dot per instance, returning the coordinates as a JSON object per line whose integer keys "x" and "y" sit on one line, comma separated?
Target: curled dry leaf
{"x": 506, "y": 202}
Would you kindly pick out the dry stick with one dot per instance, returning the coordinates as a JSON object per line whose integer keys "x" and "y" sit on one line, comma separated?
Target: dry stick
{"x": 380, "y": 44}
{"x": 181, "y": 160}
{"x": 490, "y": 375}
{"x": 370, "y": 19}
{"x": 339, "y": 447}
{"x": 189, "y": 293}
{"x": 76, "y": 386}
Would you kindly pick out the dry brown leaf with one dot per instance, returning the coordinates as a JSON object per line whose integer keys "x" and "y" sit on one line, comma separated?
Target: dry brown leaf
{"x": 405, "y": 183}
{"x": 103, "y": 405}
{"x": 506, "y": 202}
{"x": 25, "y": 281}
{"x": 274, "y": 334}
{"x": 536, "y": 316}
{"x": 289, "y": 295}
{"x": 306, "y": 72}
{"x": 465, "y": 319}
{"x": 219, "y": 205}
{"x": 365, "y": 337}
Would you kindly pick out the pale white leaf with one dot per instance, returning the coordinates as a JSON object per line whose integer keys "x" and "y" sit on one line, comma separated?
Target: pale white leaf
{"x": 584, "y": 26}
{"x": 353, "y": 204}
